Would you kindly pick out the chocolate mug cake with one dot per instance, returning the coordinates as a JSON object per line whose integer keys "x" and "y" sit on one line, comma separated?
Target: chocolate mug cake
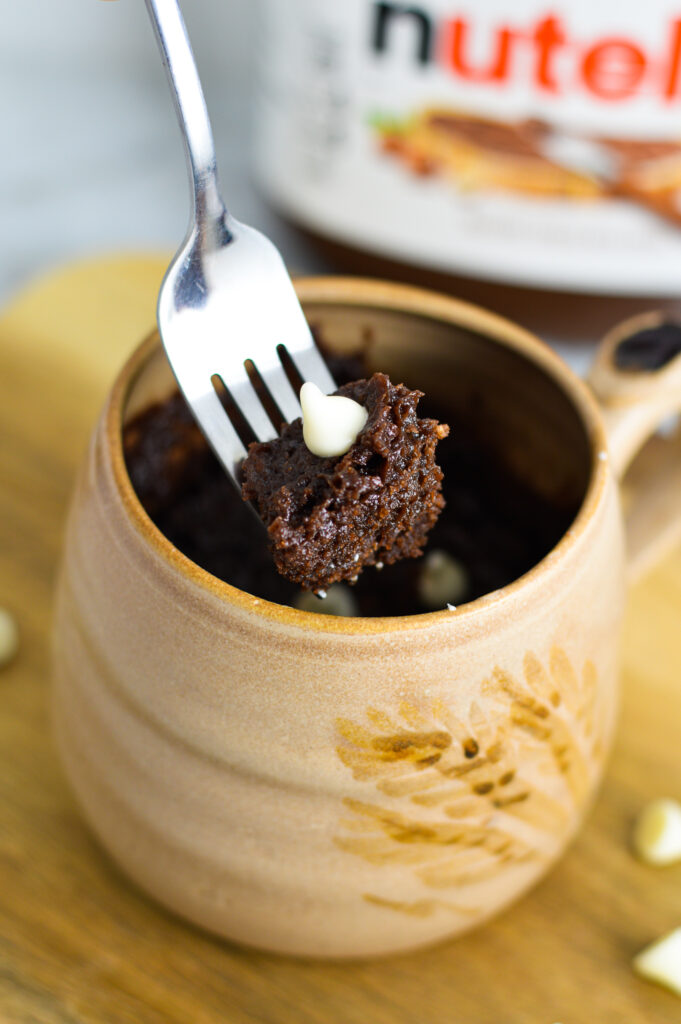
{"x": 494, "y": 527}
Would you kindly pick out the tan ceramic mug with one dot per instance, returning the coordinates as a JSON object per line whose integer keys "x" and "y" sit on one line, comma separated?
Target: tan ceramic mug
{"x": 346, "y": 787}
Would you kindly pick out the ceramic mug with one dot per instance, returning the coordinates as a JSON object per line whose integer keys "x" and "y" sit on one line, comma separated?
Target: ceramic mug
{"x": 346, "y": 786}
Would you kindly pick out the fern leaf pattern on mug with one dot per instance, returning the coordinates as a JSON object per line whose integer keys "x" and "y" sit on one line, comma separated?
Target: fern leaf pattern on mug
{"x": 456, "y": 805}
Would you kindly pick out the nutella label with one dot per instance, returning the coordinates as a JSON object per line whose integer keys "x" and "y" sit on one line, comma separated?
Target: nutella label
{"x": 518, "y": 141}
{"x": 539, "y": 50}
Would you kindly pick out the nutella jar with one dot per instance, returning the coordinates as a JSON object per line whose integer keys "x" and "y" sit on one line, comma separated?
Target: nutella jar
{"x": 509, "y": 142}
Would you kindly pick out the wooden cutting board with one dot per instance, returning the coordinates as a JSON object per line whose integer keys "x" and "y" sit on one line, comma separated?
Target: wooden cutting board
{"x": 79, "y": 944}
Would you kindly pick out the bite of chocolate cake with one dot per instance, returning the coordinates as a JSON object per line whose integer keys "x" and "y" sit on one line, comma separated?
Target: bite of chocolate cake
{"x": 327, "y": 518}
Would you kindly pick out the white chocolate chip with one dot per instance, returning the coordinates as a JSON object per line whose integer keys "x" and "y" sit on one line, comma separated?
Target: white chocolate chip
{"x": 661, "y": 962}
{"x": 339, "y": 600}
{"x": 9, "y": 637}
{"x": 442, "y": 581}
{"x": 331, "y": 423}
{"x": 657, "y": 833}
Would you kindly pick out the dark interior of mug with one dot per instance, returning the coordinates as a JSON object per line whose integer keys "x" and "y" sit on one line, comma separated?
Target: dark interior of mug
{"x": 517, "y": 463}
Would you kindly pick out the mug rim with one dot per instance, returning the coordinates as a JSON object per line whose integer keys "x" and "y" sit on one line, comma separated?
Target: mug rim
{"x": 398, "y": 298}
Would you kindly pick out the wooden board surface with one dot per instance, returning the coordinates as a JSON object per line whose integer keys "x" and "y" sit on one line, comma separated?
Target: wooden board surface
{"x": 80, "y": 945}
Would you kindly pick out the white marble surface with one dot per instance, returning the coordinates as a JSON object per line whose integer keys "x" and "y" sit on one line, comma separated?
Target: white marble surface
{"x": 92, "y": 159}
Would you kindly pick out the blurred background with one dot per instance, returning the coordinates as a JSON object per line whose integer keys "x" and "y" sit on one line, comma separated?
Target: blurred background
{"x": 93, "y": 163}
{"x": 93, "y": 158}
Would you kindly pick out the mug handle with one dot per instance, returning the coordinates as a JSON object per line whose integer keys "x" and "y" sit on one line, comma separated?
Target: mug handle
{"x": 635, "y": 403}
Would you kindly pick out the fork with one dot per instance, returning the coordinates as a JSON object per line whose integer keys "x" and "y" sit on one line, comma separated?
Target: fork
{"x": 228, "y": 314}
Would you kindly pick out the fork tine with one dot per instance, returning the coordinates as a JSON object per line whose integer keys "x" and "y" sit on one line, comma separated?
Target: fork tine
{"x": 282, "y": 392}
{"x": 251, "y": 409}
{"x": 217, "y": 427}
{"x": 246, "y": 397}
{"x": 311, "y": 366}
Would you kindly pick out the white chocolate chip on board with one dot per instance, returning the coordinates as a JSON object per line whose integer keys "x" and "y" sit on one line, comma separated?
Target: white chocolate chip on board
{"x": 9, "y": 637}
{"x": 661, "y": 962}
{"x": 657, "y": 832}
{"x": 331, "y": 423}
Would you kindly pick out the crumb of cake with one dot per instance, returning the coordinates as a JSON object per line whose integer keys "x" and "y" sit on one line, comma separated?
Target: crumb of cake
{"x": 328, "y": 518}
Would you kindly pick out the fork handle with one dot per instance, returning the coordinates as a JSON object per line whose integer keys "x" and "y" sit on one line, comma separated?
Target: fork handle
{"x": 190, "y": 105}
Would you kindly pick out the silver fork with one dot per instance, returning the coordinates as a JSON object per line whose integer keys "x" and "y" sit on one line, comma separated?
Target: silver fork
{"x": 227, "y": 299}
